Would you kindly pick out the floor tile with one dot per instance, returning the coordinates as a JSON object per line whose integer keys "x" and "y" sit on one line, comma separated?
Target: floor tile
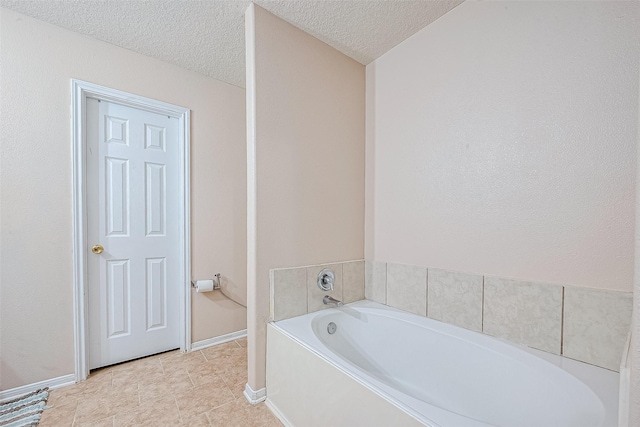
{"x": 234, "y": 375}
{"x": 232, "y": 414}
{"x": 227, "y": 351}
{"x": 182, "y": 360}
{"x": 199, "y": 420}
{"x": 203, "y": 398}
{"x": 202, "y": 388}
{"x": 237, "y": 389}
{"x": 153, "y": 413}
{"x": 58, "y": 416}
{"x": 107, "y": 422}
{"x": 99, "y": 406}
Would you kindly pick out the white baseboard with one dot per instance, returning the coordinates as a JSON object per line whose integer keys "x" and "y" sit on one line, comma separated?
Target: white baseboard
{"x": 255, "y": 396}
{"x": 199, "y": 345}
{"x": 53, "y": 383}
{"x": 277, "y": 413}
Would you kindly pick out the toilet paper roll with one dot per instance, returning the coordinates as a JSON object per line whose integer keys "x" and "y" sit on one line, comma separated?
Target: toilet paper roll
{"x": 204, "y": 286}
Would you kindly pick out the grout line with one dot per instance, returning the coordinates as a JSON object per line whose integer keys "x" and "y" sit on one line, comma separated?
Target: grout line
{"x": 427, "y": 296}
{"x": 206, "y": 415}
{"x": 342, "y": 280}
{"x": 175, "y": 401}
{"x": 75, "y": 413}
{"x": 306, "y": 287}
{"x": 190, "y": 379}
{"x": 482, "y": 308}
{"x": 386, "y": 281}
{"x": 562, "y": 324}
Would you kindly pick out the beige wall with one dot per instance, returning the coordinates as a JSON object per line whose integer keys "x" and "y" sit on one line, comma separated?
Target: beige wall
{"x": 501, "y": 140}
{"x": 305, "y": 101}
{"x": 36, "y": 306}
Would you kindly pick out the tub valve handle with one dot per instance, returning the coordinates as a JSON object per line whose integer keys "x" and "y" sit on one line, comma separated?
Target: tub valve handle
{"x": 326, "y": 279}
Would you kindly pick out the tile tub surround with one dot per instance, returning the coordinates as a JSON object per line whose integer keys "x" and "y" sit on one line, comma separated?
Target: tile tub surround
{"x": 375, "y": 284}
{"x": 526, "y": 313}
{"x": 596, "y": 324}
{"x": 315, "y": 294}
{"x": 288, "y": 288}
{"x": 588, "y": 325}
{"x": 455, "y": 298}
{"x": 407, "y": 288}
{"x": 294, "y": 291}
{"x": 353, "y": 275}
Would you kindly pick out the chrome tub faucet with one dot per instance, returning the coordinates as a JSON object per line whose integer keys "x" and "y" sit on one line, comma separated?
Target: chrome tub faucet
{"x": 332, "y": 301}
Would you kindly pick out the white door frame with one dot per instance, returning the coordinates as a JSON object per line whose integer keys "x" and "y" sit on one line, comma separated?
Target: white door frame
{"x": 80, "y": 91}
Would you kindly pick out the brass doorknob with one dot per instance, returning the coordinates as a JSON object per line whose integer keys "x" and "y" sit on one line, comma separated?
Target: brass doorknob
{"x": 97, "y": 249}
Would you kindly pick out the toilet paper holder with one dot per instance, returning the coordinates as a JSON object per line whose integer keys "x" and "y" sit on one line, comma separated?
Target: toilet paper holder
{"x": 216, "y": 282}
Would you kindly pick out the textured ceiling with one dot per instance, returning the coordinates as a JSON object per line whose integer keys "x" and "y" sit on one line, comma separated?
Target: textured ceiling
{"x": 207, "y": 36}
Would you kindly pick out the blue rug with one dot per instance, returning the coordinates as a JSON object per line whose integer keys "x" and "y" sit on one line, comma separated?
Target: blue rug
{"x": 25, "y": 410}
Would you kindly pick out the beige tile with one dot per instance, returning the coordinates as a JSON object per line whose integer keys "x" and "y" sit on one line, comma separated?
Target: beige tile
{"x": 107, "y": 422}
{"x": 596, "y": 324}
{"x": 206, "y": 373}
{"x": 157, "y": 390}
{"x": 64, "y": 396}
{"x": 234, "y": 375}
{"x": 105, "y": 404}
{"x": 315, "y": 294}
{"x": 133, "y": 372}
{"x": 407, "y": 288}
{"x": 152, "y": 379}
{"x": 98, "y": 381}
{"x": 237, "y": 389}
{"x": 153, "y": 400}
{"x": 375, "y": 281}
{"x": 58, "y": 416}
{"x": 200, "y": 420}
{"x": 224, "y": 351}
{"x": 103, "y": 376}
{"x": 241, "y": 413}
{"x": 288, "y": 293}
{"x": 523, "y": 312}
{"x": 352, "y": 281}
{"x": 175, "y": 380}
{"x": 455, "y": 298}
{"x": 182, "y": 360}
{"x": 231, "y": 414}
{"x": 161, "y": 412}
{"x": 168, "y": 354}
{"x": 227, "y": 354}
{"x": 260, "y": 415}
{"x": 151, "y": 363}
{"x": 242, "y": 342}
{"x": 203, "y": 398}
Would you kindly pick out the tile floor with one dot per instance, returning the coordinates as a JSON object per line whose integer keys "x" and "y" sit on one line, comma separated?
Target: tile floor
{"x": 201, "y": 388}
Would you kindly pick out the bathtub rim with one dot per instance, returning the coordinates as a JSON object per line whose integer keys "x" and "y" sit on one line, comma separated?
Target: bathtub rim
{"x": 599, "y": 380}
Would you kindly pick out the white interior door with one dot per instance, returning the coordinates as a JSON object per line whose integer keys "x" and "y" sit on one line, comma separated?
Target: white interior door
{"x": 133, "y": 213}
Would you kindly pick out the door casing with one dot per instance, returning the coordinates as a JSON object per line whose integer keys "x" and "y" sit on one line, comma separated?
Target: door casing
{"x": 80, "y": 91}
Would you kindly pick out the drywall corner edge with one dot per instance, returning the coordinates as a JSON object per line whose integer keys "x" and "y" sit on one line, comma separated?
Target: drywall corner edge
{"x": 252, "y": 315}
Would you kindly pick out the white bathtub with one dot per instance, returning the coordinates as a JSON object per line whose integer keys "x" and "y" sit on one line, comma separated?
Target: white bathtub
{"x": 434, "y": 373}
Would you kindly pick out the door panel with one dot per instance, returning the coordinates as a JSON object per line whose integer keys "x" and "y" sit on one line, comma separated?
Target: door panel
{"x": 117, "y": 196}
{"x": 156, "y": 293}
{"x": 155, "y": 196}
{"x": 133, "y": 209}
{"x": 118, "y": 300}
